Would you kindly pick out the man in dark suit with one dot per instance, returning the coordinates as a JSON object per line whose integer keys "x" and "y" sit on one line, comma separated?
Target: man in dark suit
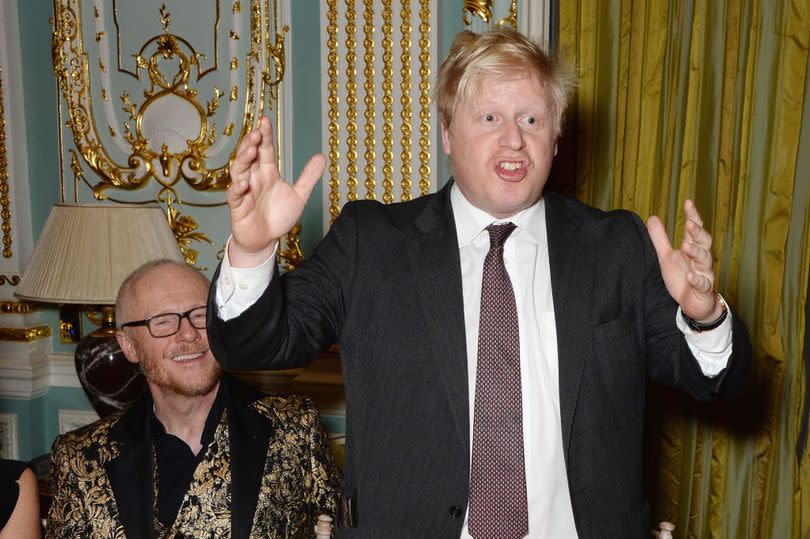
{"x": 200, "y": 455}
{"x": 494, "y": 375}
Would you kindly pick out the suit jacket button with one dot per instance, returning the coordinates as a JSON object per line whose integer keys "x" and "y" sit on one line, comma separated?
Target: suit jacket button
{"x": 456, "y": 512}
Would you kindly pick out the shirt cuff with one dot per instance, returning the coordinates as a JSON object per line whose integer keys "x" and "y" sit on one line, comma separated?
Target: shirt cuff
{"x": 712, "y": 349}
{"x": 239, "y": 288}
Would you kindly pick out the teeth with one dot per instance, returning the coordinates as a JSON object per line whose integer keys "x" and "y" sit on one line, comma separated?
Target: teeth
{"x": 186, "y": 357}
{"x": 510, "y": 165}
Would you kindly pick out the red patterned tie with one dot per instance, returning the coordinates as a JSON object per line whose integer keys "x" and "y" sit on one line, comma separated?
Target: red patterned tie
{"x": 498, "y": 477}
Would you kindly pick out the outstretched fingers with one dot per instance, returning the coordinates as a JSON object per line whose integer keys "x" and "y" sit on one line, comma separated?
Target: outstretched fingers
{"x": 701, "y": 282}
{"x": 267, "y": 154}
{"x": 245, "y": 156}
{"x": 310, "y": 175}
{"x": 659, "y": 237}
{"x": 236, "y": 192}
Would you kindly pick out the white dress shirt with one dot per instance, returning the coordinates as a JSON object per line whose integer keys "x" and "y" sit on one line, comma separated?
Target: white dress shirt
{"x": 527, "y": 262}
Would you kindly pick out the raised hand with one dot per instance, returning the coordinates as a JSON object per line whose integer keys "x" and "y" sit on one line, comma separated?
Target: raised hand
{"x": 688, "y": 272}
{"x": 263, "y": 206}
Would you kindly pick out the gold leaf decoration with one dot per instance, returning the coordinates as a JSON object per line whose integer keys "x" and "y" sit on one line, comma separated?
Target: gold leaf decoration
{"x": 184, "y": 226}
{"x": 165, "y": 17}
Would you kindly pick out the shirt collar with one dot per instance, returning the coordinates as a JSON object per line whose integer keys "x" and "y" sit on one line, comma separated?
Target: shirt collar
{"x": 471, "y": 221}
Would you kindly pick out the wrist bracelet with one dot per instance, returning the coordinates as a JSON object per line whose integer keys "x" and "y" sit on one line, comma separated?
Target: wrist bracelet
{"x": 705, "y": 326}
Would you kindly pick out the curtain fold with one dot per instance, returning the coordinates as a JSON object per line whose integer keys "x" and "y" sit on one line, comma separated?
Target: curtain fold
{"x": 710, "y": 100}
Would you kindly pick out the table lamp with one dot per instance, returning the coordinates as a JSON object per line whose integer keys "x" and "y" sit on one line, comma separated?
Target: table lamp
{"x": 82, "y": 256}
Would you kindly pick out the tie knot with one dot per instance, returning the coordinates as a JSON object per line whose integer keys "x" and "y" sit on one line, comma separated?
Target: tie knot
{"x": 499, "y": 233}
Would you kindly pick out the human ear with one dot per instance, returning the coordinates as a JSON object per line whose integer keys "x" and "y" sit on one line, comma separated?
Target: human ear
{"x": 125, "y": 342}
{"x": 445, "y": 139}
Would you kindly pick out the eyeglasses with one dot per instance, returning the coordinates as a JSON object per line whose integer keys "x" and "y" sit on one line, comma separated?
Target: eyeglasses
{"x": 167, "y": 324}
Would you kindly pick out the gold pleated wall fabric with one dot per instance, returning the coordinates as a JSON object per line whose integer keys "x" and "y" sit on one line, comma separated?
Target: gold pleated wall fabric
{"x": 711, "y": 100}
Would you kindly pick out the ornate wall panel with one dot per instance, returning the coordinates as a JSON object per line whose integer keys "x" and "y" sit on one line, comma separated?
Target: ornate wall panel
{"x": 156, "y": 96}
{"x": 15, "y": 225}
{"x": 379, "y": 60}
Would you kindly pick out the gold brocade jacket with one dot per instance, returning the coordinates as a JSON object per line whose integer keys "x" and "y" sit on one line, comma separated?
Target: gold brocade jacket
{"x": 267, "y": 473}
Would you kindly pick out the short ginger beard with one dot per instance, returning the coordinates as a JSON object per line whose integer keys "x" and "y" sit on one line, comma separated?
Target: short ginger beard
{"x": 163, "y": 379}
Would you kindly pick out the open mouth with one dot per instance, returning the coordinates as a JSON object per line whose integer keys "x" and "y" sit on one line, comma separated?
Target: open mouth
{"x": 187, "y": 357}
{"x": 510, "y": 166}
{"x": 511, "y": 170}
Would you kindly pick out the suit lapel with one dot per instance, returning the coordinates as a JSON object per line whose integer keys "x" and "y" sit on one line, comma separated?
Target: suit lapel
{"x": 130, "y": 474}
{"x": 572, "y": 266}
{"x": 249, "y": 436}
{"x": 434, "y": 257}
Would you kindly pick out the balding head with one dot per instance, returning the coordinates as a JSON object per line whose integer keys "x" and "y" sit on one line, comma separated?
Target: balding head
{"x": 149, "y": 272}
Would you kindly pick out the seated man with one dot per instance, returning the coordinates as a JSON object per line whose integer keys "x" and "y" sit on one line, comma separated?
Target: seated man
{"x": 200, "y": 455}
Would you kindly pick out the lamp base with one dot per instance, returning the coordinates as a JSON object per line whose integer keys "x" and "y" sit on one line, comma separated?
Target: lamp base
{"x": 110, "y": 381}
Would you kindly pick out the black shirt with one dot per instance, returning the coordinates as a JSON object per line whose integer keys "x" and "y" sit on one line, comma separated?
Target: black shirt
{"x": 176, "y": 462}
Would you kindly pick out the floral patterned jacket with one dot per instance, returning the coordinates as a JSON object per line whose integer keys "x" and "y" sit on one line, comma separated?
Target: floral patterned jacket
{"x": 267, "y": 473}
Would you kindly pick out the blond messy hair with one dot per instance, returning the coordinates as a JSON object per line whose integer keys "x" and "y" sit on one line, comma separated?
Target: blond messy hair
{"x": 499, "y": 52}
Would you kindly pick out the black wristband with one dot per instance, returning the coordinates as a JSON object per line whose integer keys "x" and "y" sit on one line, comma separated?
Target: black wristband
{"x": 707, "y": 326}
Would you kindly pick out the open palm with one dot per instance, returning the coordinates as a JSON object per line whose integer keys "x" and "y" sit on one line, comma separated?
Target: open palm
{"x": 688, "y": 272}
{"x": 263, "y": 206}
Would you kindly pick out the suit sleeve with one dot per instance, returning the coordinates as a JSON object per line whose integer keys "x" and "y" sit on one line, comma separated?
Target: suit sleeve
{"x": 67, "y": 516}
{"x": 669, "y": 359}
{"x": 299, "y": 315}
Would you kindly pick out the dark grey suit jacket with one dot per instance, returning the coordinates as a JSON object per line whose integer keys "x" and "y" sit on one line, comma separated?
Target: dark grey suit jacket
{"x": 385, "y": 283}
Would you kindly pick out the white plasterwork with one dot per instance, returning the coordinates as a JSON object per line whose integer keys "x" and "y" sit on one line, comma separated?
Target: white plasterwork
{"x": 8, "y": 436}
{"x": 73, "y": 419}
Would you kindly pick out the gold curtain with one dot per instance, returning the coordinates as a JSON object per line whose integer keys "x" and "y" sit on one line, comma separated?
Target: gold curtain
{"x": 710, "y": 99}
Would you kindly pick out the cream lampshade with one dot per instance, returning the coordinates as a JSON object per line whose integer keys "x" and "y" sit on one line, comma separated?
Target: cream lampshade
{"x": 82, "y": 256}
{"x": 86, "y": 251}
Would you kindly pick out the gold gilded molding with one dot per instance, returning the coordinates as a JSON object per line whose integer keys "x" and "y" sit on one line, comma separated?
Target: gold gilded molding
{"x": 165, "y": 21}
{"x": 512, "y": 18}
{"x": 292, "y": 254}
{"x": 165, "y": 17}
{"x": 351, "y": 101}
{"x": 405, "y": 99}
{"x": 479, "y": 8}
{"x": 388, "y": 103}
{"x": 424, "y": 96}
{"x": 144, "y": 163}
{"x": 5, "y": 200}
{"x": 13, "y": 280}
{"x": 24, "y": 334}
{"x": 184, "y": 228}
{"x": 368, "y": 99}
{"x": 332, "y": 86}
{"x": 169, "y": 68}
{"x": 18, "y": 307}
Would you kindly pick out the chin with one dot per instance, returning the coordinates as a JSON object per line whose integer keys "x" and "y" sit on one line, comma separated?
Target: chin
{"x": 190, "y": 385}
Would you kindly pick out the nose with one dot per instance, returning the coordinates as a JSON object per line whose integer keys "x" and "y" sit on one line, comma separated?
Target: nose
{"x": 187, "y": 332}
{"x": 511, "y": 136}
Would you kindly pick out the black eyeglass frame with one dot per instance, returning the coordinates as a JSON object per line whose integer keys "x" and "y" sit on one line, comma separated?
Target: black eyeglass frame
{"x": 179, "y": 317}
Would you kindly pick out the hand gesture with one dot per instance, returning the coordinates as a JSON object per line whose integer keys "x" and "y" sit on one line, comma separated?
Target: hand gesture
{"x": 688, "y": 272}
{"x": 263, "y": 206}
